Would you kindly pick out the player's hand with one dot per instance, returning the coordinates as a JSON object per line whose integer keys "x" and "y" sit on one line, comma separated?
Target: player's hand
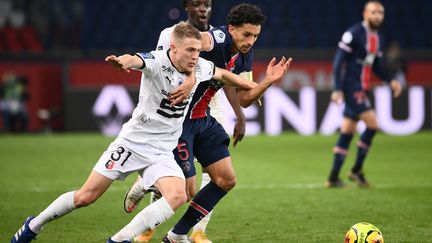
{"x": 396, "y": 87}
{"x": 275, "y": 71}
{"x": 337, "y": 97}
{"x": 239, "y": 131}
{"x": 183, "y": 91}
{"x": 124, "y": 62}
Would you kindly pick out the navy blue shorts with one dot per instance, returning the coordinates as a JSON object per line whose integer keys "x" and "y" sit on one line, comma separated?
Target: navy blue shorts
{"x": 356, "y": 102}
{"x": 203, "y": 138}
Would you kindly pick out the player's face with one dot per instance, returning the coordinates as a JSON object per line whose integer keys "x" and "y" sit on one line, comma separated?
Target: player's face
{"x": 186, "y": 54}
{"x": 244, "y": 36}
{"x": 373, "y": 14}
{"x": 199, "y": 12}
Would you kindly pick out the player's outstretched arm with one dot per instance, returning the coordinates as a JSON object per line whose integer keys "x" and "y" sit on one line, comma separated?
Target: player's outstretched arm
{"x": 232, "y": 79}
{"x": 274, "y": 73}
{"x": 125, "y": 62}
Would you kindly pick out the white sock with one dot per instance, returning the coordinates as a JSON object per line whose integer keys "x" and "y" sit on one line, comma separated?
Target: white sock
{"x": 202, "y": 224}
{"x": 61, "y": 206}
{"x": 149, "y": 218}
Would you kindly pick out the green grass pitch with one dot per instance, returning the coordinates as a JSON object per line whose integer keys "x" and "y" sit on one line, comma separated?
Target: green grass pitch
{"x": 279, "y": 195}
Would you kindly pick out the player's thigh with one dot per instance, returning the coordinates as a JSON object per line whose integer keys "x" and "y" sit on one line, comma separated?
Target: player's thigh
{"x": 369, "y": 119}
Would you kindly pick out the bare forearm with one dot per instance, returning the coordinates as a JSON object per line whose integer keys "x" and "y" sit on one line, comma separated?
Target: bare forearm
{"x": 247, "y": 97}
{"x": 233, "y": 99}
{"x": 232, "y": 79}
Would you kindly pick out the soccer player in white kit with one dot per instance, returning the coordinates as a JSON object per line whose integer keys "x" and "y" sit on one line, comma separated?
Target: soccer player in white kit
{"x": 198, "y": 15}
{"x": 146, "y": 141}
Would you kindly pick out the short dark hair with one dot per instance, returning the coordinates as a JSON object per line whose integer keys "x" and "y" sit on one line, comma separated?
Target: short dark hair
{"x": 185, "y": 2}
{"x": 245, "y": 13}
{"x": 184, "y": 30}
{"x": 373, "y": 1}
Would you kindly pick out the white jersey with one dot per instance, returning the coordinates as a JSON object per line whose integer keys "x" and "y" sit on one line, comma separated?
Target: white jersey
{"x": 215, "y": 103}
{"x": 154, "y": 121}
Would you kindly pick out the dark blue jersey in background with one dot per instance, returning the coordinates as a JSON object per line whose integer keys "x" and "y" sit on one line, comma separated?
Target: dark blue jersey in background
{"x": 359, "y": 53}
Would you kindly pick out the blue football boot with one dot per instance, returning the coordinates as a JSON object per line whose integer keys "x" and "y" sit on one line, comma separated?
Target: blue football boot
{"x": 24, "y": 234}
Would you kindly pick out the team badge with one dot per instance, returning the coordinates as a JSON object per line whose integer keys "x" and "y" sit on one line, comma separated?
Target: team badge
{"x": 147, "y": 55}
{"x": 109, "y": 164}
{"x": 219, "y": 36}
{"x": 186, "y": 166}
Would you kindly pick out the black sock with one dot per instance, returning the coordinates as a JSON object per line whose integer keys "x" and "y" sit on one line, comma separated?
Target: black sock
{"x": 203, "y": 202}
{"x": 340, "y": 152}
{"x": 362, "y": 149}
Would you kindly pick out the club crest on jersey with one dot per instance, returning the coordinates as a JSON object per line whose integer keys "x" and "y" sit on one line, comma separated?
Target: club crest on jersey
{"x": 219, "y": 36}
{"x": 109, "y": 164}
{"x": 147, "y": 55}
{"x": 186, "y": 166}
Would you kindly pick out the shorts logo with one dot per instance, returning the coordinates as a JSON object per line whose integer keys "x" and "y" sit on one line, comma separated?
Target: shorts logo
{"x": 186, "y": 166}
{"x": 109, "y": 164}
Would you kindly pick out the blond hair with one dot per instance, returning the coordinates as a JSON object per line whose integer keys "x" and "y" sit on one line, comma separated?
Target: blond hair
{"x": 184, "y": 30}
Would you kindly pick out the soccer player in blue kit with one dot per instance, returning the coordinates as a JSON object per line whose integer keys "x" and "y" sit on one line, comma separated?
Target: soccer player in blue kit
{"x": 359, "y": 53}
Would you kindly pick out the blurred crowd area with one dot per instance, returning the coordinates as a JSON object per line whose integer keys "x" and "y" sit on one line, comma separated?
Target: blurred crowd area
{"x": 86, "y": 26}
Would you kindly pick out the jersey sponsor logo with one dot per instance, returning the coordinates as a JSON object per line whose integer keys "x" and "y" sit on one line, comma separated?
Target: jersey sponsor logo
{"x": 167, "y": 69}
{"x": 170, "y": 80}
{"x": 219, "y": 36}
{"x": 168, "y": 111}
{"x": 147, "y": 55}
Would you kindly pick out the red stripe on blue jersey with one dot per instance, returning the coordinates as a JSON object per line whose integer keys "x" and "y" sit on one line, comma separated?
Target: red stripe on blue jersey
{"x": 372, "y": 44}
{"x": 199, "y": 109}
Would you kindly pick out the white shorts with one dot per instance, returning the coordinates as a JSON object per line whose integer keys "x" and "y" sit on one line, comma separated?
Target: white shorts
{"x": 124, "y": 157}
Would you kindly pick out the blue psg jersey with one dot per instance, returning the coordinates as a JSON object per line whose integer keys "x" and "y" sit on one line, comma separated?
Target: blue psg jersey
{"x": 221, "y": 55}
{"x": 359, "y": 54}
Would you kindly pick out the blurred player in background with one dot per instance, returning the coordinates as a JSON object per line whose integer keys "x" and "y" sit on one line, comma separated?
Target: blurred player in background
{"x": 198, "y": 15}
{"x": 145, "y": 142}
{"x": 359, "y": 53}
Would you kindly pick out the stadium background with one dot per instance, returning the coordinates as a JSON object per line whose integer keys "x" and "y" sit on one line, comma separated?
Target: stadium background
{"x": 59, "y": 47}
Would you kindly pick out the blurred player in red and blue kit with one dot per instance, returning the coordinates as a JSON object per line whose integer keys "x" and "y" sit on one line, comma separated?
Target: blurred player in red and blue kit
{"x": 359, "y": 54}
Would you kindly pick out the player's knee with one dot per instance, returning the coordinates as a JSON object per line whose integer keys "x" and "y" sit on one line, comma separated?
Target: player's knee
{"x": 226, "y": 183}
{"x": 84, "y": 199}
{"x": 176, "y": 198}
